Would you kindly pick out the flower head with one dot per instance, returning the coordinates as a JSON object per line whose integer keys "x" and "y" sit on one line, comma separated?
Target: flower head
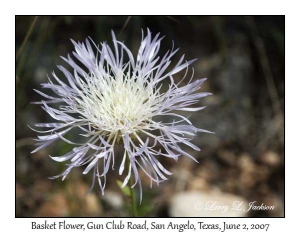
{"x": 115, "y": 102}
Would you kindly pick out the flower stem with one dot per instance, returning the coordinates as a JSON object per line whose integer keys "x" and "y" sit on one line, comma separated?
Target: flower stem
{"x": 133, "y": 199}
{"x": 132, "y": 193}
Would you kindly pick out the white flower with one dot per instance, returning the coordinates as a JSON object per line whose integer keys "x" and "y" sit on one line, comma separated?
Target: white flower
{"x": 116, "y": 102}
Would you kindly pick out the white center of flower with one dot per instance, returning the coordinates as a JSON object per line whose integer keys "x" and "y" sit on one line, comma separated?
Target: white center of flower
{"x": 120, "y": 104}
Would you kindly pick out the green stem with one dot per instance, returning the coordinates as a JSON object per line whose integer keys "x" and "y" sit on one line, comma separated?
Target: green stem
{"x": 26, "y": 37}
{"x": 133, "y": 199}
{"x": 132, "y": 194}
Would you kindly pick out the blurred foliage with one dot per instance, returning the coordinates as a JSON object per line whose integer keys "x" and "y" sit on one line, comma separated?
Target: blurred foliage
{"x": 241, "y": 57}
